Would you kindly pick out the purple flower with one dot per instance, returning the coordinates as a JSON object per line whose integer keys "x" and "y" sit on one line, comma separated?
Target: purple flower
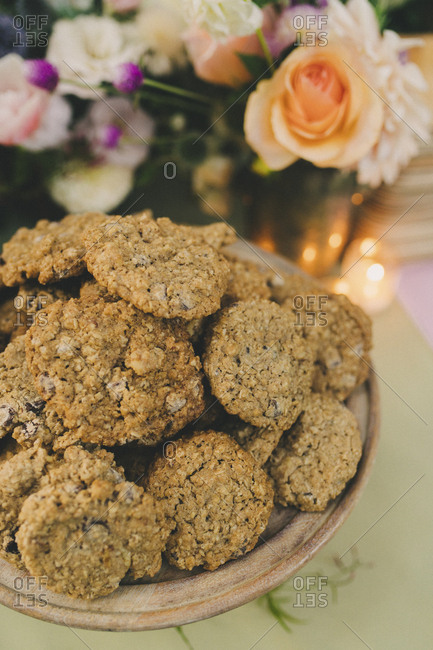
{"x": 111, "y": 136}
{"x": 127, "y": 77}
{"x": 41, "y": 73}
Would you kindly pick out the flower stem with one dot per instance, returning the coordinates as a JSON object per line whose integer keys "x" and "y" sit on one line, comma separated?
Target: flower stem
{"x": 152, "y": 83}
{"x": 265, "y": 48}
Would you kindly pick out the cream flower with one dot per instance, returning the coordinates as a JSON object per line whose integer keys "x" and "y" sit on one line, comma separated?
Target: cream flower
{"x": 399, "y": 84}
{"x": 87, "y": 49}
{"x": 224, "y": 18}
{"x": 159, "y": 28}
{"x": 91, "y": 188}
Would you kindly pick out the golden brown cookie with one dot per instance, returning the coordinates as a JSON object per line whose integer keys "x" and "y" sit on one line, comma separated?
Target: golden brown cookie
{"x": 20, "y": 475}
{"x": 22, "y": 411}
{"x": 343, "y": 360}
{"x": 49, "y": 252}
{"x": 260, "y": 442}
{"x": 216, "y": 235}
{"x": 168, "y": 272}
{"x": 257, "y": 363}
{"x": 247, "y": 281}
{"x": 215, "y": 497}
{"x": 114, "y": 374}
{"x": 32, "y": 298}
{"x": 316, "y": 458}
{"x": 8, "y": 318}
{"x": 86, "y": 540}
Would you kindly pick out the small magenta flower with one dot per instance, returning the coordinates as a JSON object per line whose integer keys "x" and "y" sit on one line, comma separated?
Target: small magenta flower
{"x": 41, "y": 73}
{"x": 127, "y": 77}
{"x": 111, "y": 136}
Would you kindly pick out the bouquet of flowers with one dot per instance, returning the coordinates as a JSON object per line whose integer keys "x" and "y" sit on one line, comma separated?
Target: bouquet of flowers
{"x": 98, "y": 96}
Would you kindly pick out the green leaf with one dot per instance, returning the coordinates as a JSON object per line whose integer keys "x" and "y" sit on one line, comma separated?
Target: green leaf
{"x": 263, "y": 3}
{"x": 255, "y": 64}
{"x": 181, "y": 633}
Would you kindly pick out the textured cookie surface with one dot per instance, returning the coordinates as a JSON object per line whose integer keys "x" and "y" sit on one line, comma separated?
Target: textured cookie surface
{"x": 22, "y": 410}
{"x": 114, "y": 374}
{"x": 247, "y": 281}
{"x": 20, "y": 475}
{"x": 257, "y": 363}
{"x": 166, "y": 271}
{"x": 342, "y": 361}
{"x": 8, "y": 319}
{"x": 260, "y": 442}
{"x": 86, "y": 540}
{"x": 337, "y": 332}
{"x": 49, "y": 252}
{"x": 215, "y": 497}
{"x": 316, "y": 458}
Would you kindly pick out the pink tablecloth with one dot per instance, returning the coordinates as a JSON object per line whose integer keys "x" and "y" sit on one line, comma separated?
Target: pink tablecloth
{"x": 415, "y": 293}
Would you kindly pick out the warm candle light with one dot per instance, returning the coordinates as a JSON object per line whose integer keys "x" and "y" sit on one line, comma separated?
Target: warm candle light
{"x": 335, "y": 240}
{"x": 309, "y": 254}
{"x": 357, "y": 198}
{"x": 369, "y": 275}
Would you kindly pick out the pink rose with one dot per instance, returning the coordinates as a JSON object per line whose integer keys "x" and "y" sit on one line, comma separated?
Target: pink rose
{"x": 217, "y": 61}
{"x": 122, "y": 6}
{"x": 22, "y": 105}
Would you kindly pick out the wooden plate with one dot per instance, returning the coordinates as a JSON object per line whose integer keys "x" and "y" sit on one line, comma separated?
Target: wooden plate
{"x": 178, "y": 597}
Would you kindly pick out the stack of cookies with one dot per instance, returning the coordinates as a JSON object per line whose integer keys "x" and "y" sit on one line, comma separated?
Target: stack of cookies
{"x": 158, "y": 395}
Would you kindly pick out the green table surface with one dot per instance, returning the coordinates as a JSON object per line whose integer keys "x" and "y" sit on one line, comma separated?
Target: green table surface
{"x": 388, "y": 604}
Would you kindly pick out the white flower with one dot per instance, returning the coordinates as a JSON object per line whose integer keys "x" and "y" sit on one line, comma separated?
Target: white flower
{"x": 87, "y": 49}
{"x": 159, "y": 28}
{"x": 92, "y": 188}
{"x": 224, "y": 18}
{"x": 398, "y": 83}
{"x": 53, "y": 128}
{"x": 119, "y": 134}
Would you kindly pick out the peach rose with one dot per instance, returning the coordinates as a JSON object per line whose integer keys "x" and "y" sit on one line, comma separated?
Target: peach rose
{"x": 22, "y": 105}
{"x": 314, "y": 107}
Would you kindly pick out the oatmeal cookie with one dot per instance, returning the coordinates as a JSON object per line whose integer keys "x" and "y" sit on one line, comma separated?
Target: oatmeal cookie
{"x": 260, "y": 442}
{"x": 22, "y": 411}
{"x": 257, "y": 363}
{"x": 338, "y": 332}
{"x": 81, "y": 467}
{"x": 8, "y": 319}
{"x": 86, "y": 541}
{"x": 288, "y": 285}
{"x": 114, "y": 374}
{"x": 247, "y": 281}
{"x": 49, "y": 252}
{"x": 20, "y": 475}
{"x": 169, "y": 275}
{"x": 215, "y": 497}
{"x": 216, "y": 235}
{"x": 316, "y": 458}
{"x": 32, "y": 298}
{"x": 343, "y": 359}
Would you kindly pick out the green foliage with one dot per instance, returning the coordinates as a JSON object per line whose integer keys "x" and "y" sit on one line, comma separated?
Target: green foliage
{"x": 280, "y": 599}
{"x": 184, "y": 638}
{"x": 256, "y": 65}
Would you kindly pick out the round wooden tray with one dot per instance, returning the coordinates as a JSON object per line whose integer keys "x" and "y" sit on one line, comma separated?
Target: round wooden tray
{"x": 176, "y": 597}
